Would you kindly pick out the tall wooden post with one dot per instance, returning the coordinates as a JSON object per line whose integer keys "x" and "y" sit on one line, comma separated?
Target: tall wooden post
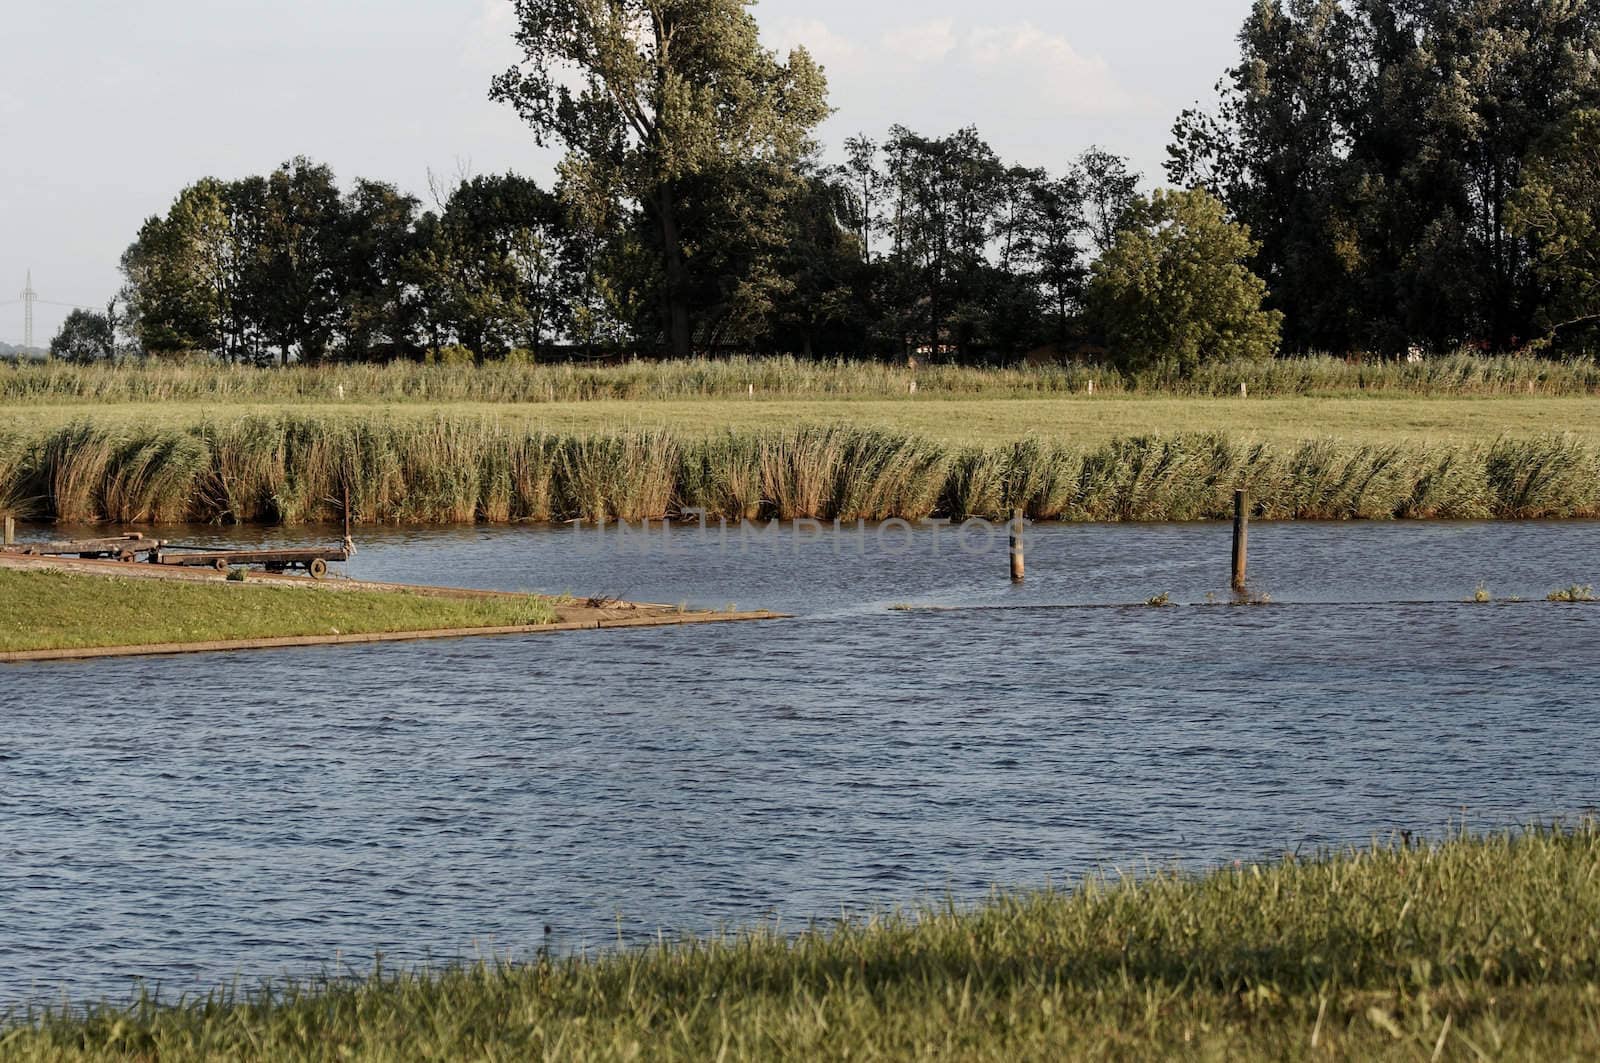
{"x": 11, "y": 531}
{"x": 1019, "y": 567}
{"x": 1241, "y": 538}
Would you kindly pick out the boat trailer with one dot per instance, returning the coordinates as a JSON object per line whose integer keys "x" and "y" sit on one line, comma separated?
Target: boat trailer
{"x": 131, "y": 547}
{"x": 313, "y": 560}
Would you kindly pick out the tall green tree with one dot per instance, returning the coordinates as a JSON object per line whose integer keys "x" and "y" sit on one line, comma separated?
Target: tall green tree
{"x": 948, "y": 192}
{"x": 864, "y": 185}
{"x": 380, "y": 312}
{"x": 296, "y": 278}
{"x": 651, "y": 96}
{"x": 1107, "y": 186}
{"x": 1053, "y": 250}
{"x": 187, "y": 275}
{"x": 1174, "y": 289}
{"x": 1557, "y": 208}
{"x": 492, "y": 265}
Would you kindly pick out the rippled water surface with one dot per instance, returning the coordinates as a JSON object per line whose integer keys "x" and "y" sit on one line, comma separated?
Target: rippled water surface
{"x": 186, "y": 820}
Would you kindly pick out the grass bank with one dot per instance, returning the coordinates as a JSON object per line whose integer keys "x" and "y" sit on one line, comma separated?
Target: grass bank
{"x": 56, "y": 610}
{"x": 1479, "y": 948}
{"x": 294, "y": 469}
{"x": 404, "y": 382}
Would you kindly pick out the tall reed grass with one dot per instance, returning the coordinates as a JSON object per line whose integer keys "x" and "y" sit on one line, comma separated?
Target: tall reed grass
{"x": 406, "y": 382}
{"x": 296, "y": 469}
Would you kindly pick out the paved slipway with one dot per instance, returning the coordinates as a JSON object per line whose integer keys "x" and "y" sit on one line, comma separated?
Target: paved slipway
{"x": 580, "y": 616}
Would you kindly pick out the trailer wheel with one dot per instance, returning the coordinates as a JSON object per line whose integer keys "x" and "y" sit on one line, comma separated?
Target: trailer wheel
{"x": 318, "y": 568}
{"x": 221, "y": 564}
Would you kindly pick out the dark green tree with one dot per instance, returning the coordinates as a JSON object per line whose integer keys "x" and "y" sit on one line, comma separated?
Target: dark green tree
{"x": 1108, "y": 188}
{"x": 1052, "y": 251}
{"x": 947, "y": 193}
{"x": 86, "y": 336}
{"x": 651, "y": 97}
{"x": 491, "y": 266}
{"x": 1374, "y": 148}
{"x": 186, "y": 274}
{"x": 1557, "y": 209}
{"x": 295, "y": 278}
{"x": 380, "y": 300}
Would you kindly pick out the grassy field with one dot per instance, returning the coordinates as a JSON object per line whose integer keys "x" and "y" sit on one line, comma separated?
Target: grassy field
{"x": 1075, "y": 420}
{"x": 776, "y": 377}
{"x": 53, "y": 610}
{"x": 1479, "y": 948}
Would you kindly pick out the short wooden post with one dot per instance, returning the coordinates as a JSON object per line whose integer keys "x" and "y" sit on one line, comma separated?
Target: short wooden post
{"x": 1019, "y": 567}
{"x": 1244, "y": 390}
{"x": 1241, "y": 537}
{"x": 11, "y": 531}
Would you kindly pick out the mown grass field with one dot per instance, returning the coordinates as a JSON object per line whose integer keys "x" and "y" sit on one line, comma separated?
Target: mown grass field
{"x": 55, "y": 610}
{"x": 1481, "y": 948}
{"x": 1075, "y": 420}
{"x": 779, "y": 377}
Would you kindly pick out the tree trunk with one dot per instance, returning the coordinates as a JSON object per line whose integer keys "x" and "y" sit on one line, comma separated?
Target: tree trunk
{"x": 675, "y": 300}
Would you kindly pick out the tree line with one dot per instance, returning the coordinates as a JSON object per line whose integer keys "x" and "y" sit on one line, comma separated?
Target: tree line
{"x": 1376, "y": 175}
{"x": 913, "y": 238}
{"x": 1417, "y": 172}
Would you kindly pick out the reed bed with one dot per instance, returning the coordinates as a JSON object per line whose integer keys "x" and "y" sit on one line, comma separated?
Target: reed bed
{"x": 784, "y": 377}
{"x": 297, "y": 469}
{"x": 1477, "y": 947}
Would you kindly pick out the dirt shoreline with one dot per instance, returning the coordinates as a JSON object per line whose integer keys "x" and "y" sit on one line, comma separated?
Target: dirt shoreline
{"x": 576, "y": 616}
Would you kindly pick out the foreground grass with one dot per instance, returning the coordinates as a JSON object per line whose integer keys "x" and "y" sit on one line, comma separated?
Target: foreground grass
{"x": 1479, "y": 948}
{"x": 55, "y": 610}
{"x": 953, "y": 420}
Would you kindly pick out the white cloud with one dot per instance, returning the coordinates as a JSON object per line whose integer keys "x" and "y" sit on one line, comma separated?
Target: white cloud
{"x": 1026, "y": 56}
{"x": 981, "y": 73}
{"x": 488, "y": 43}
{"x": 928, "y": 42}
{"x": 826, "y": 47}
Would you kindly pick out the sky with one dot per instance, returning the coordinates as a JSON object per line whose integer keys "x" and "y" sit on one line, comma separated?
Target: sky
{"x": 108, "y": 108}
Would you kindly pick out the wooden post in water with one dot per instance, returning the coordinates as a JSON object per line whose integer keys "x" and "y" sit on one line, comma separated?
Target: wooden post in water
{"x": 11, "y": 531}
{"x": 1019, "y": 567}
{"x": 1241, "y": 537}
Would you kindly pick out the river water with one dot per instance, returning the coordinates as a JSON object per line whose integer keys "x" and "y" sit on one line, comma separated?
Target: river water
{"x": 187, "y": 820}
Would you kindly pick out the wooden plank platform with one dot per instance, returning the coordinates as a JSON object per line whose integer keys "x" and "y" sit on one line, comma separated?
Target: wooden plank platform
{"x": 122, "y": 547}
